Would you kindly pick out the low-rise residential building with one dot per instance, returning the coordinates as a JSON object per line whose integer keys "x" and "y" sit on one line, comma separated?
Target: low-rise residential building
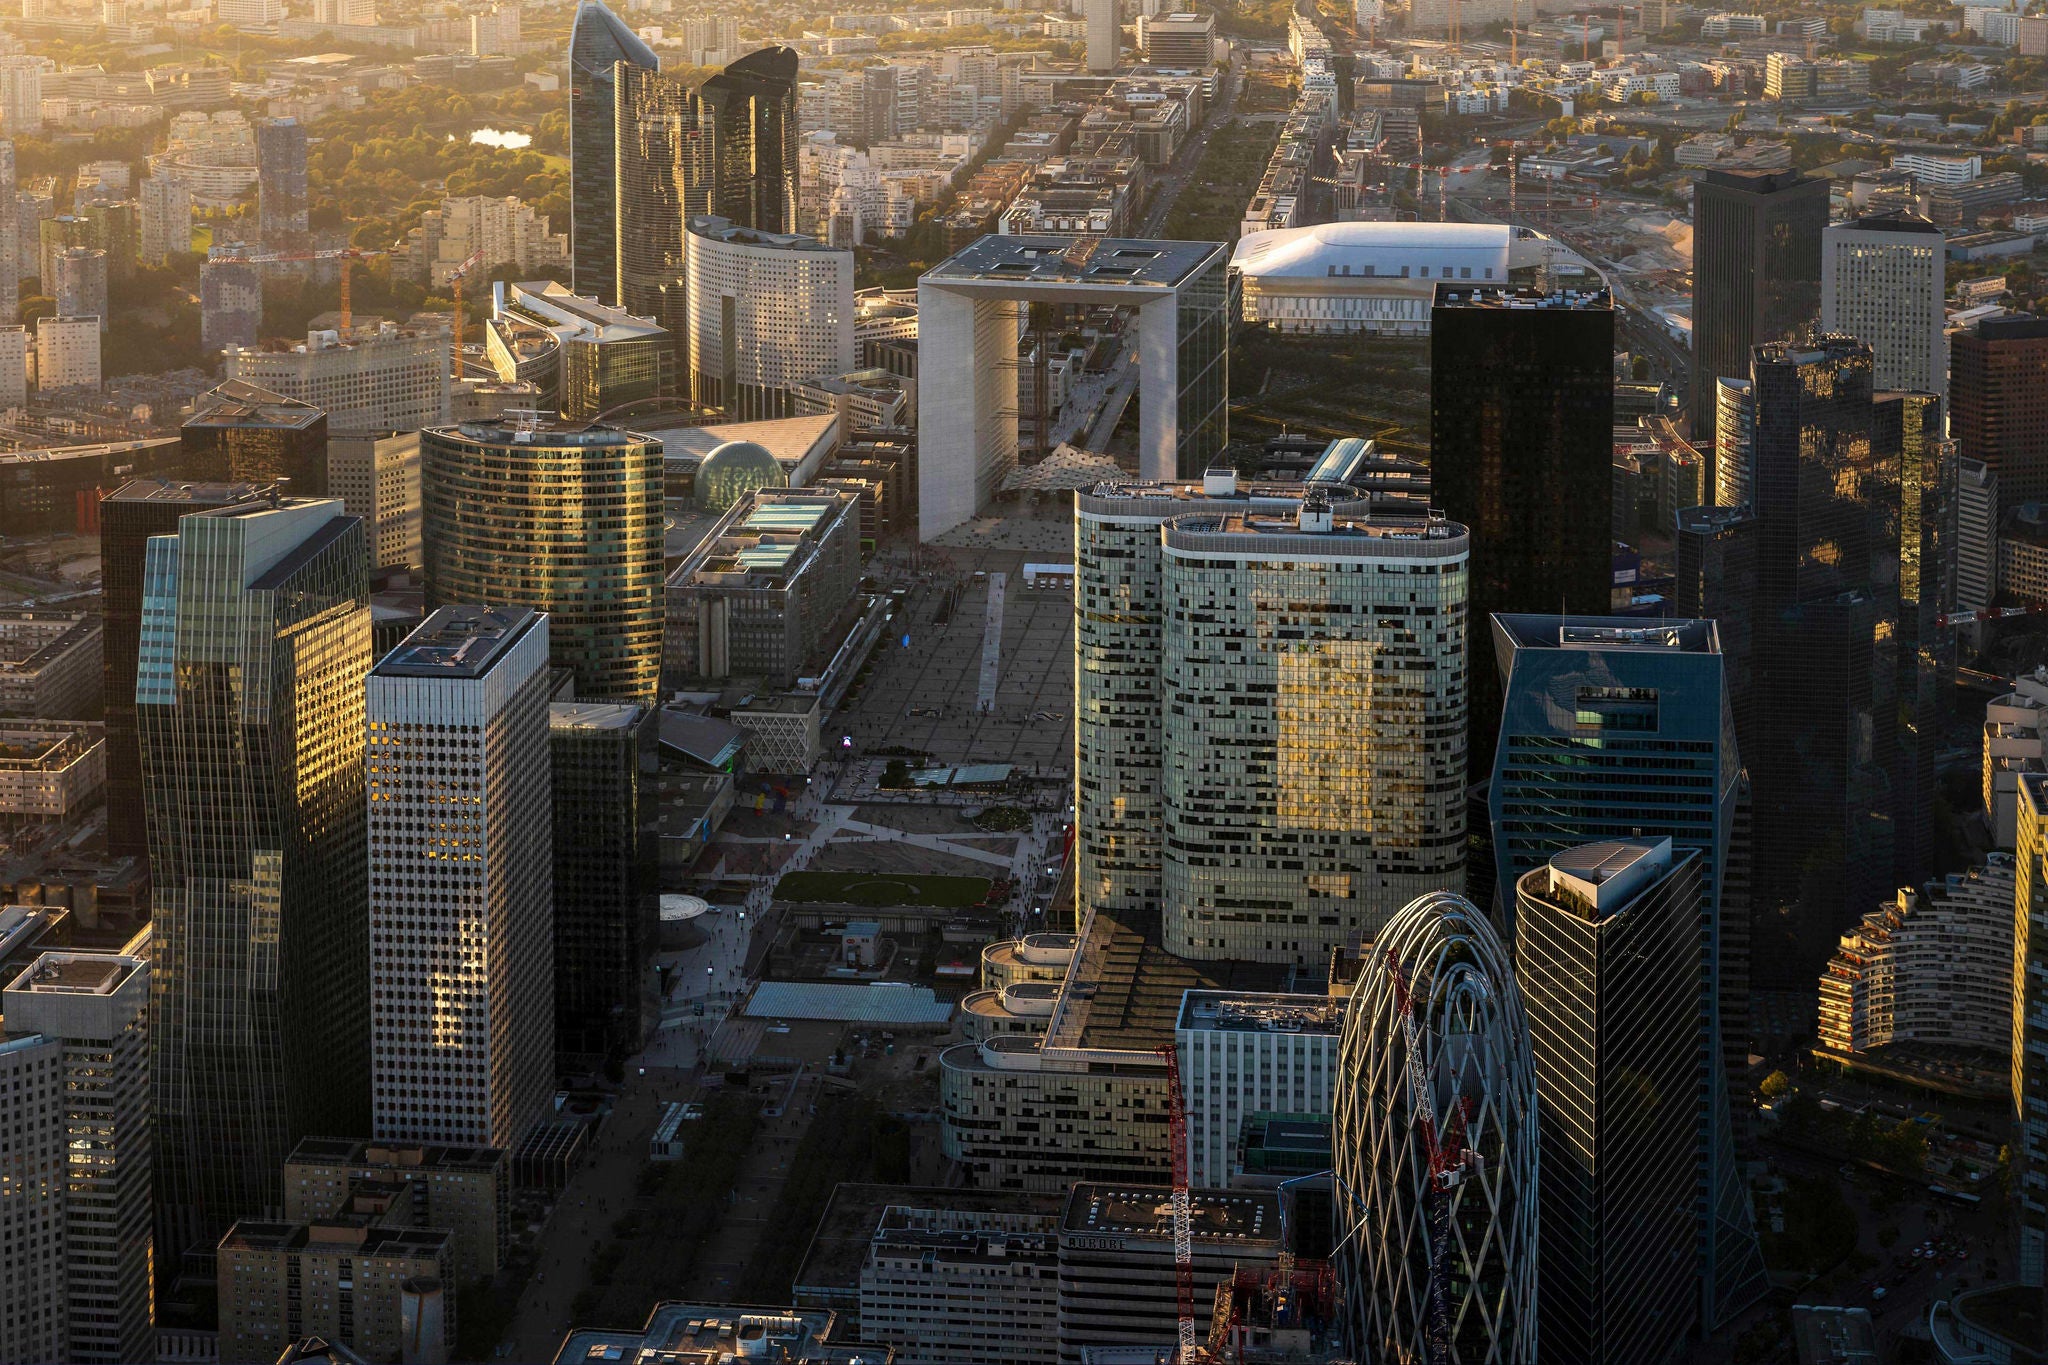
{"x": 49, "y": 663}
{"x": 49, "y": 770}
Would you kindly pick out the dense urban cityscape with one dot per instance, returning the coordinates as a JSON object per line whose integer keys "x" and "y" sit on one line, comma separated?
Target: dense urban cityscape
{"x": 1086, "y": 682}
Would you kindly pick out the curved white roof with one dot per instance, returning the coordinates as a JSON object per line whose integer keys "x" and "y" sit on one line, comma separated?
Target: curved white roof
{"x": 1386, "y": 247}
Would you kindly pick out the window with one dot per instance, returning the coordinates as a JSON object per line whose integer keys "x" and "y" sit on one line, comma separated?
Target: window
{"x": 1617, "y": 708}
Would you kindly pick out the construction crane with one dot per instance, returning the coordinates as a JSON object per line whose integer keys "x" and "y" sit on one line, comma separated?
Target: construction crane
{"x": 347, "y": 255}
{"x": 1183, "y": 1210}
{"x": 461, "y": 273}
{"x": 1450, "y": 1162}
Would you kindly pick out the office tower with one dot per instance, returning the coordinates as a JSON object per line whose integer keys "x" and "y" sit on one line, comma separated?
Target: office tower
{"x": 1186, "y": 41}
{"x": 2028, "y": 1153}
{"x": 1756, "y": 272}
{"x": 1598, "y": 711}
{"x": 748, "y": 116}
{"x": 1159, "y": 783}
{"x": 662, "y": 179}
{"x": 462, "y": 948}
{"x": 1998, "y": 403}
{"x": 1906, "y": 437}
{"x": 90, "y": 1010}
{"x": 67, "y": 353}
{"x": 249, "y": 698}
{"x": 1607, "y": 953}
{"x": 1824, "y": 765}
{"x": 561, "y": 517}
{"x": 1437, "y": 983}
{"x": 14, "y": 351}
{"x": 604, "y": 882}
{"x": 1103, "y": 33}
{"x": 1245, "y": 1053}
{"x": 1883, "y": 279}
{"x": 36, "y": 1325}
{"x": 1716, "y": 581}
{"x": 129, "y": 516}
{"x": 116, "y": 229}
{"x": 393, "y": 380}
{"x": 1734, "y": 434}
{"x": 767, "y": 312}
{"x": 239, "y": 433}
{"x": 969, "y": 312}
{"x": 230, "y": 304}
{"x": 249, "y": 13}
{"x": 1521, "y": 423}
{"x": 80, "y": 288}
{"x": 166, "y": 218}
{"x": 281, "y": 202}
{"x": 10, "y": 235}
{"x": 585, "y": 357}
{"x": 378, "y": 479}
{"x": 1976, "y": 522}
{"x": 598, "y": 41}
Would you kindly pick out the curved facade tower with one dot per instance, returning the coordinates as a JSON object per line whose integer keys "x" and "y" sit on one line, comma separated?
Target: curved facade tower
{"x": 597, "y": 40}
{"x": 1439, "y": 976}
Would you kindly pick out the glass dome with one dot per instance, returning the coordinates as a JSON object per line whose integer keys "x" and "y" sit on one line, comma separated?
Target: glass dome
{"x": 734, "y": 470}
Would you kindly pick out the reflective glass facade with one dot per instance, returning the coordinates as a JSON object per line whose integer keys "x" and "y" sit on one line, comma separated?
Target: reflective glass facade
{"x": 661, "y": 186}
{"x": 1609, "y": 988}
{"x": 1202, "y": 328}
{"x": 597, "y": 40}
{"x": 748, "y": 113}
{"x": 249, "y": 695}
{"x": 564, "y": 519}
{"x": 604, "y": 878}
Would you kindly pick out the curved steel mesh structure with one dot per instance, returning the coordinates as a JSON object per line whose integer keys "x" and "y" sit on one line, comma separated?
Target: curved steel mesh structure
{"x": 1452, "y": 1189}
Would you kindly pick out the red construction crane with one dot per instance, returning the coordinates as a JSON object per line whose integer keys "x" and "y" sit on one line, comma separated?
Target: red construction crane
{"x": 1183, "y": 1209}
{"x": 1450, "y": 1161}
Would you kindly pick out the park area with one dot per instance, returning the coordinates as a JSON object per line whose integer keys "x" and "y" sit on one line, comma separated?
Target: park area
{"x": 880, "y": 890}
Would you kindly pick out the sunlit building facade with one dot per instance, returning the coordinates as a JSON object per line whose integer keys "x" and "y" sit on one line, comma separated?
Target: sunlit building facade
{"x": 598, "y": 41}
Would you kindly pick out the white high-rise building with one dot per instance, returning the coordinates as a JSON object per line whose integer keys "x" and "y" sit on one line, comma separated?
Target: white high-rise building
{"x": 1104, "y": 32}
{"x": 461, "y": 879}
{"x": 10, "y": 239}
{"x": 76, "y": 1039}
{"x": 395, "y": 380}
{"x": 13, "y": 367}
{"x": 1976, "y": 534}
{"x": 1248, "y": 1053}
{"x": 767, "y": 311}
{"x": 498, "y": 231}
{"x": 1883, "y": 281}
{"x": 166, "y": 218}
{"x": 80, "y": 283}
{"x": 248, "y": 13}
{"x": 1270, "y": 705}
{"x": 21, "y": 93}
{"x": 67, "y": 352}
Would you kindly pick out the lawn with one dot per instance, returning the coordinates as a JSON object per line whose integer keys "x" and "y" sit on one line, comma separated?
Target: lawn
{"x": 879, "y": 889}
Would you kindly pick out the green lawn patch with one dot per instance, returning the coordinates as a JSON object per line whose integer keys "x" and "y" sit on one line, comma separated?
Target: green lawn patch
{"x": 881, "y": 889}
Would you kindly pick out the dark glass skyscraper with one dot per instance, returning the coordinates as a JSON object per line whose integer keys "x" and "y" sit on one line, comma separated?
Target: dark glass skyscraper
{"x": 748, "y": 113}
{"x": 1998, "y": 389}
{"x": 1716, "y": 581}
{"x": 281, "y": 202}
{"x": 1825, "y": 765}
{"x": 1755, "y": 270}
{"x": 1521, "y": 432}
{"x": 129, "y": 516}
{"x": 243, "y": 433}
{"x": 1907, "y": 434}
{"x": 1607, "y": 958}
{"x": 250, "y": 696}
{"x": 597, "y": 41}
{"x": 1617, "y": 729}
{"x": 661, "y": 156}
{"x": 561, "y": 517}
{"x": 604, "y": 878}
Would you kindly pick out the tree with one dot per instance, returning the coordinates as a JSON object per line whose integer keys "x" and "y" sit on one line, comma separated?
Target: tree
{"x": 1775, "y": 1085}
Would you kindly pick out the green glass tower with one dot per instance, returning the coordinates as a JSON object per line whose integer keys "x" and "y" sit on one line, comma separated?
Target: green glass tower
{"x": 249, "y": 699}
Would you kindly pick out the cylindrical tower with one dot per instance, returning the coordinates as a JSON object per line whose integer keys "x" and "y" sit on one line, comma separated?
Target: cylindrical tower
{"x": 1448, "y": 1191}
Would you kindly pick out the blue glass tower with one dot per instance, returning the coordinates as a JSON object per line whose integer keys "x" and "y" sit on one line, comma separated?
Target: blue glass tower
{"x": 1620, "y": 729}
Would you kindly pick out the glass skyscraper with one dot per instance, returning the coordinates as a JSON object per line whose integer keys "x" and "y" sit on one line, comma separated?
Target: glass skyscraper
{"x": 249, "y": 694}
{"x": 1756, "y": 273}
{"x": 604, "y": 878}
{"x": 597, "y": 41}
{"x": 1521, "y": 430}
{"x": 1607, "y": 954}
{"x": 563, "y": 517}
{"x": 661, "y": 155}
{"x": 1617, "y": 729}
{"x": 282, "y": 205}
{"x": 748, "y": 115}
